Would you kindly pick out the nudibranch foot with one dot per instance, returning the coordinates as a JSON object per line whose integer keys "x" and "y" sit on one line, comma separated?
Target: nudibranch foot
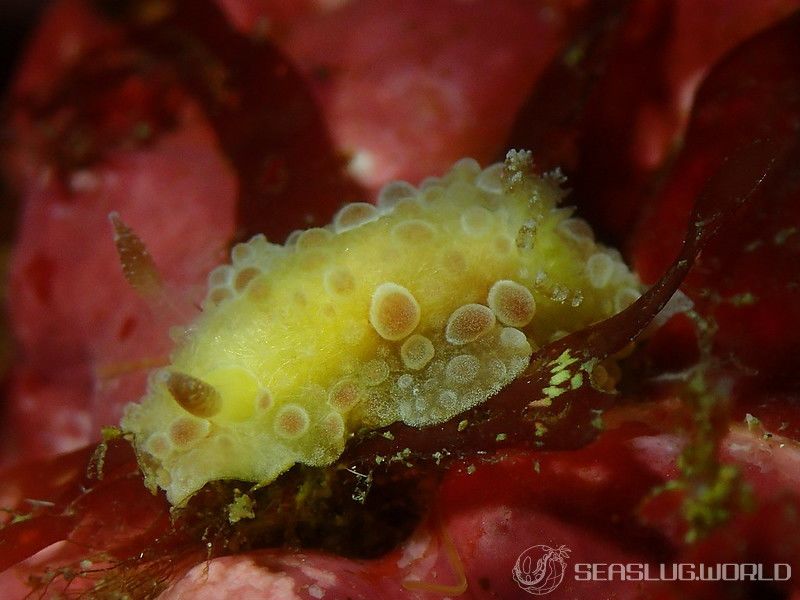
{"x": 413, "y": 310}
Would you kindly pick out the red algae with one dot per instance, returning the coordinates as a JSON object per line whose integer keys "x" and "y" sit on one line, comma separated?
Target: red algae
{"x": 611, "y": 461}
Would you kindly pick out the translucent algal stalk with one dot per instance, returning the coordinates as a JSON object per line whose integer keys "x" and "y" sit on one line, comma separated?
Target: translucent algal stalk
{"x": 413, "y": 310}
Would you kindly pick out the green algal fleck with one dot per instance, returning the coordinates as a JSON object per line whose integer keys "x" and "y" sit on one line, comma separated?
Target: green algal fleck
{"x": 462, "y": 425}
{"x": 553, "y": 392}
{"x": 563, "y": 361}
{"x": 541, "y": 428}
{"x": 574, "y": 55}
{"x": 542, "y": 403}
{"x": 597, "y": 420}
{"x": 714, "y": 491}
{"x": 783, "y": 235}
{"x": 500, "y": 437}
{"x": 142, "y": 131}
{"x": 559, "y": 377}
{"x": 576, "y": 381}
{"x": 15, "y": 517}
{"x": 743, "y": 299}
{"x": 711, "y": 505}
{"x": 753, "y": 423}
{"x": 110, "y": 433}
{"x": 754, "y": 245}
{"x": 241, "y": 507}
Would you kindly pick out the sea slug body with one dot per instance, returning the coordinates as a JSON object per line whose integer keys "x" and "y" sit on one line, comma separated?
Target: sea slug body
{"x": 413, "y": 310}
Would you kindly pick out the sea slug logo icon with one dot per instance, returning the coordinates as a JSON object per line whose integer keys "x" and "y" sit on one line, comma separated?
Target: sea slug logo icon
{"x": 540, "y": 569}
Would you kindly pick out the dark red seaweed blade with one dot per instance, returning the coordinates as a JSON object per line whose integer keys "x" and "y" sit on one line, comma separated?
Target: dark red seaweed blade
{"x": 612, "y": 110}
{"x": 747, "y": 281}
{"x": 261, "y": 109}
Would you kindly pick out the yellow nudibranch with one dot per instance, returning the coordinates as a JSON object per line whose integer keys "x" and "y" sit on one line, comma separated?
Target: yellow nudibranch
{"x": 414, "y": 310}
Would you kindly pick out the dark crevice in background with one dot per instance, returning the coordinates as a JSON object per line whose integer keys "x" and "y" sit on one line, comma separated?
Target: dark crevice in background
{"x": 17, "y": 19}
